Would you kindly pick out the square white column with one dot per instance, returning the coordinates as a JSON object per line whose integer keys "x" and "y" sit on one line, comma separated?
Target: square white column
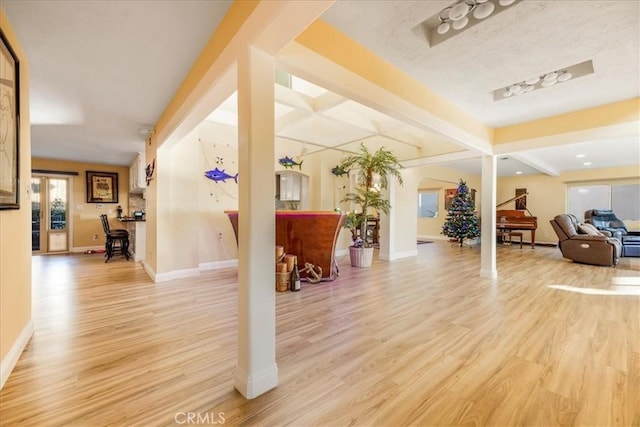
{"x": 256, "y": 370}
{"x": 488, "y": 222}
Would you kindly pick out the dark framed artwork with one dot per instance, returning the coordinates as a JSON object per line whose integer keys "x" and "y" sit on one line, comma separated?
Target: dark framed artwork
{"x": 449, "y": 194}
{"x": 9, "y": 127}
{"x": 521, "y": 203}
{"x": 102, "y": 187}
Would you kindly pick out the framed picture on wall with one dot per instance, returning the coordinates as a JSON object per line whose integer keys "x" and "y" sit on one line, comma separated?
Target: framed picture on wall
{"x": 449, "y": 195}
{"x": 521, "y": 203}
{"x": 102, "y": 187}
{"x": 9, "y": 127}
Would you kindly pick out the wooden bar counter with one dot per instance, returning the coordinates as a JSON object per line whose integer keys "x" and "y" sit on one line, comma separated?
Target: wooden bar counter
{"x": 310, "y": 235}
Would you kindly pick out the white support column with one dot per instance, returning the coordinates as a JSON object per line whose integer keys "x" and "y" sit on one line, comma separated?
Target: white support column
{"x": 387, "y": 226}
{"x": 488, "y": 227}
{"x": 256, "y": 370}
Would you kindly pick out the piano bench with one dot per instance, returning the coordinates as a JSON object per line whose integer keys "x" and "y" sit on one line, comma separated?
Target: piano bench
{"x": 509, "y": 235}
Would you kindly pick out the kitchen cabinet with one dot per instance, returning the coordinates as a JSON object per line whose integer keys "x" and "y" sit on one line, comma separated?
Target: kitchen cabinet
{"x": 137, "y": 174}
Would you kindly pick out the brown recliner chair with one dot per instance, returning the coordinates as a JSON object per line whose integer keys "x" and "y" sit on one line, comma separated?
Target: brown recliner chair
{"x": 594, "y": 248}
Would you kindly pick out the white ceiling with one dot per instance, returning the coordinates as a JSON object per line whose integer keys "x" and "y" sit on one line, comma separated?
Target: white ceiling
{"x": 529, "y": 38}
{"x": 102, "y": 72}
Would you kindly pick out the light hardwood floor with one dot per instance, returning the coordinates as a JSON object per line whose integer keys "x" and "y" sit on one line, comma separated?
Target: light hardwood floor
{"x": 420, "y": 341}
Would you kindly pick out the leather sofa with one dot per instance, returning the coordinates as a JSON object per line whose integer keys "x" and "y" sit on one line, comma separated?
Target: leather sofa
{"x": 606, "y": 220}
{"x": 594, "y": 248}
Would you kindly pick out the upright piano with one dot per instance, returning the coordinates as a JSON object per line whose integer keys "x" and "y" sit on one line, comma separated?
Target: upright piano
{"x": 512, "y": 219}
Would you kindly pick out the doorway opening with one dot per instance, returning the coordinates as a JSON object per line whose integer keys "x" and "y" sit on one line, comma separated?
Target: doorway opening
{"x": 49, "y": 214}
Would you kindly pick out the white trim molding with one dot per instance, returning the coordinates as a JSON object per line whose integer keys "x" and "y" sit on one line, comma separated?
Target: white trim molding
{"x": 189, "y": 272}
{"x": 176, "y": 274}
{"x": 341, "y": 252}
{"x": 251, "y": 386}
{"x": 149, "y": 270}
{"x": 10, "y": 360}
{"x": 217, "y": 265}
{"x": 398, "y": 255}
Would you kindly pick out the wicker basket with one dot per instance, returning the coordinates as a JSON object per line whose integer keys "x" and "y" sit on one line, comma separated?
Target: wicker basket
{"x": 361, "y": 257}
{"x": 282, "y": 281}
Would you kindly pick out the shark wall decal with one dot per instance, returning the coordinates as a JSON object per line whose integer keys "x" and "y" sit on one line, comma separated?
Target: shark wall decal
{"x": 289, "y": 163}
{"x": 339, "y": 171}
{"x": 218, "y": 175}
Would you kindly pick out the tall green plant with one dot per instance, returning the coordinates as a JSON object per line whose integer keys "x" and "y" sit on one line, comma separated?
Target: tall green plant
{"x": 381, "y": 165}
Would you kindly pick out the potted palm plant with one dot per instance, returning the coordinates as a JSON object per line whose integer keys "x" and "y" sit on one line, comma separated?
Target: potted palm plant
{"x": 373, "y": 173}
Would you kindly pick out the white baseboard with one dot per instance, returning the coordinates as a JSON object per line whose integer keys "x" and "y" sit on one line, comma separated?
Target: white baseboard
{"x": 341, "y": 252}
{"x": 398, "y": 255}
{"x": 251, "y": 386}
{"x": 176, "y": 274}
{"x": 216, "y": 265}
{"x": 189, "y": 272}
{"x": 438, "y": 237}
{"x": 10, "y": 360}
{"x": 149, "y": 270}
{"x": 489, "y": 274}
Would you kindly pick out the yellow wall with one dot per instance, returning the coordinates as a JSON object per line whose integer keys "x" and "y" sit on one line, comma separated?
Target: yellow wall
{"x": 440, "y": 178}
{"x": 546, "y": 199}
{"x": 548, "y": 194}
{"x": 86, "y": 216}
{"x": 15, "y": 225}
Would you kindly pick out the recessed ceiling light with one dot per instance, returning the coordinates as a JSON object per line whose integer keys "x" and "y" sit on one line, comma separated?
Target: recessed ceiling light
{"x": 458, "y": 16}
{"x": 518, "y": 172}
{"x": 581, "y": 155}
{"x": 587, "y": 163}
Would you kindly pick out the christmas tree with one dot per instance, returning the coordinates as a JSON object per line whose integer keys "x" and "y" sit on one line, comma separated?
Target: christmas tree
{"x": 462, "y": 221}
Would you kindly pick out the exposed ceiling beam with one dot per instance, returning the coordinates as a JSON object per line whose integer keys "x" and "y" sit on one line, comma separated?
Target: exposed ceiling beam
{"x": 291, "y": 98}
{"x": 290, "y": 118}
{"x": 441, "y": 159}
{"x": 360, "y": 123}
{"x": 402, "y": 141}
{"x": 328, "y": 100}
{"x": 322, "y": 147}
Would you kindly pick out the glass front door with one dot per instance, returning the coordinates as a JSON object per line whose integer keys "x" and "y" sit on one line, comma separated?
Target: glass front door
{"x": 49, "y": 214}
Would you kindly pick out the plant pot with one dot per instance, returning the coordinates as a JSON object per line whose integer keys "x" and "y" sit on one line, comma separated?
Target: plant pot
{"x": 361, "y": 257}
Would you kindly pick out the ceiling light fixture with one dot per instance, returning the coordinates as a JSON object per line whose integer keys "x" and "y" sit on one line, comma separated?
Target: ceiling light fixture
{"x": 587, "y": 163}
{"x": 518, "y": 172}
{"x": 460, "y": 15}
{"x": 548, "y": 79}
{"x": 581, "y": 155}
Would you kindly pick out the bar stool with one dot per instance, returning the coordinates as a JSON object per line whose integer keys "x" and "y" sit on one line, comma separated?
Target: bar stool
{"x": 116, "y": 240}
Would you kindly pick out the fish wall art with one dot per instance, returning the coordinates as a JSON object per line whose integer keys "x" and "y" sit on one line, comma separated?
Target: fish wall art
{"x": 288, "y": 163}
{"x": 218, "y": 175}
